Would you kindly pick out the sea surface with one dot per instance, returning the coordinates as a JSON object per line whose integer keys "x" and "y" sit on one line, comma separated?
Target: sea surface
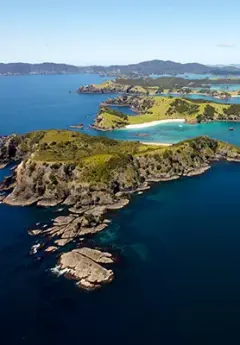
{"x": 178, "y": 245}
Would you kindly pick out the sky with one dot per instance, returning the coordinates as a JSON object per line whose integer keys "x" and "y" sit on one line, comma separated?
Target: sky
{"x": 106, "y": 32}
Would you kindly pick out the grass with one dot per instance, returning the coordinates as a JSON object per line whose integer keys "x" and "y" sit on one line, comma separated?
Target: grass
{"x": 100, "y": 161}
{"x": 112, "y": 121}
{"x": 68, "y": 146}
{"x": 167, "y": 108}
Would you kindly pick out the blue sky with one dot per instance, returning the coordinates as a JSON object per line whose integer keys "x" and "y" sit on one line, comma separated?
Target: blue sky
{"x": 118, "y": 32}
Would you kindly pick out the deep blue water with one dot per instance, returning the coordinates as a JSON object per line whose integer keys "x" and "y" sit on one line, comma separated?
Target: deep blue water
{"x": 178, "y": 276}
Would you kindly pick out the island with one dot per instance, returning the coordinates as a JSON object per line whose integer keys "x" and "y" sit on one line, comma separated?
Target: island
{"x": 154, "y": 110}
{"x": 92, "y": 176}
{"x": 162, "y": 85}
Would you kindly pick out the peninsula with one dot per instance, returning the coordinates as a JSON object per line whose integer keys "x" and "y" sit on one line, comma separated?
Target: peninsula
{"x": 91, "y": 176}
{"x": 154, "y": 110}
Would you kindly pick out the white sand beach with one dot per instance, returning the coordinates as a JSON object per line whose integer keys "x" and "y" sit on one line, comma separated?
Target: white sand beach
{"x": 155, "y": 143}
{"x": 153, "y": 123}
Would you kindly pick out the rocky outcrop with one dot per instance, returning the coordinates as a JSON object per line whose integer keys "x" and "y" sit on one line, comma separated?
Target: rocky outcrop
{"x": 84, "y": 266}
{"x": 10, "y": 150}
{"x": 137, "y": 103}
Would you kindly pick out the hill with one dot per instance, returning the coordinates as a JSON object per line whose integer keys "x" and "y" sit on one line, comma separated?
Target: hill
{"x": 43, "y": 68}
{"x": 163, "y": 108}
{"x": 145, "y": 68}
{"x": 92, "y": 175}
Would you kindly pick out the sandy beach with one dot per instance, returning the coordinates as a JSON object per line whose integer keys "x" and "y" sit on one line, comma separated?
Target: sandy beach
{"x": 155, "y": 143}
{"x": 153, "y": 123}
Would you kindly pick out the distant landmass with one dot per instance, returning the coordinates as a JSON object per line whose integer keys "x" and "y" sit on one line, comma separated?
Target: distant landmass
{"x": 20, "y": 68}
{"x": 145, "y": 68}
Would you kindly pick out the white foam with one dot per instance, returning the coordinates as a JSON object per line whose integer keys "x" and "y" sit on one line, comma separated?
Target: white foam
{"x": 35, "y": 248}
{"x": 58, "y": 271}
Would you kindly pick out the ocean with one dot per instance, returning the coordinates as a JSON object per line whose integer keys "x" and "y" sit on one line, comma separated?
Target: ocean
{"x": 178, "y": 269}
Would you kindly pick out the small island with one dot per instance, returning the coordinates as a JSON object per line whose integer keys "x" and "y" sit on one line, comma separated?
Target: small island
{"x": 155, "y": 110}
{"x": 92, "y": 176}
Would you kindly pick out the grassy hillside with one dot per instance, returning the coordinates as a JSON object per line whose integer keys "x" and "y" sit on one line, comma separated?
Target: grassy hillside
{"x": 163, "y": 108}
{"x": 63, "y": 165}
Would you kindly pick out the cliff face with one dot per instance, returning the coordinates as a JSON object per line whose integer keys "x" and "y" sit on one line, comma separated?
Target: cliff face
{"x": 92, "y": 171}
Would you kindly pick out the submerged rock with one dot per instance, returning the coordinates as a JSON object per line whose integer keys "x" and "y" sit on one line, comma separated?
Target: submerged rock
{"x": 83, "y": 265}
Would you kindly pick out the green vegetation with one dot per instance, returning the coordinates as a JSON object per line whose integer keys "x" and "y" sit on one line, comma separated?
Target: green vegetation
{"x": 182, "y": 107}
{"x": 173, "y": 82}
{"x": 62, "y": 164}
{"x": 114, "y": 112}
{"x": 100, "y": 160}
{"x": 68, "y": 146}
{"x": 233, "y": 110}
{"x": 162, "y": 108}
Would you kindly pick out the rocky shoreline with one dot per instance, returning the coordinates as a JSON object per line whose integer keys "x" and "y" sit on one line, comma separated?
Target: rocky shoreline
{"x": 125, "y": 168}
{"x": 110, "y": 87}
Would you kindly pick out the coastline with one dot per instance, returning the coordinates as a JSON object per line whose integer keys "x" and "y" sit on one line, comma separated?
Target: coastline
{"x": 154, "y": 123}
{"x": 155, "y": 143}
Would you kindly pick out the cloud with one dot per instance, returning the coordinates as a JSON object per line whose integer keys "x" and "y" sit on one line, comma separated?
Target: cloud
{"x": 226, "y": 45}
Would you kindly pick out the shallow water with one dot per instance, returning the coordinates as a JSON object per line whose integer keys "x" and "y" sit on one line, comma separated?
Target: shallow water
{"x": 172, "y": 132}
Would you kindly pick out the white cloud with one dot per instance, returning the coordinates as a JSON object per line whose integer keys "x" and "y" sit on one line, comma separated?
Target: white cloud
{"x": 226, "y": 45}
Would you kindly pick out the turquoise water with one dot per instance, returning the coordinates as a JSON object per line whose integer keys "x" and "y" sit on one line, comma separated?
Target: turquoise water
{"x": 192, "y": 76}
{"x": 233, "y": 100}
{"x": 172, "y": 132}
{"x": 178, "y": 244}
{"x": 229, "y": 87}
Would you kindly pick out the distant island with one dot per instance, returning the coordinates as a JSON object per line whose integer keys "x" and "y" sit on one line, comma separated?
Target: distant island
{"x": 150, "y": 86}
{"x": 146, "y": 68}
{"x": 90, "y": 176}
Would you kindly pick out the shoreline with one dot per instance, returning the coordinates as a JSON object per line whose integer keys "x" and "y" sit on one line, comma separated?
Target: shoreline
{"x": 154, "y": 143}
{"x": 154, "y": 123}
